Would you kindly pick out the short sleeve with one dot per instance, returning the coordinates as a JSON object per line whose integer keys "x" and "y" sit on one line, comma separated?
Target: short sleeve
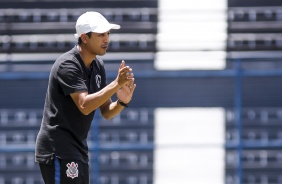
{"x": 70, "y": 77}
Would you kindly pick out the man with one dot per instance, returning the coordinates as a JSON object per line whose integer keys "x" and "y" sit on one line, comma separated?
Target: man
{"x": 77, "y": 87}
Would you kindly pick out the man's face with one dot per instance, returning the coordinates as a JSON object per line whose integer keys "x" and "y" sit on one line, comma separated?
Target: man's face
{"x": 98, "y": 43}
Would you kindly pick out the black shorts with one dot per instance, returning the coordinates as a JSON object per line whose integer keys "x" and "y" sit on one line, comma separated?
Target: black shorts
{"x": 65, "y": 172}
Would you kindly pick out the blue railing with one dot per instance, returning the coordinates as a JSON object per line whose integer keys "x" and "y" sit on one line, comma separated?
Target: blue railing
{"x": 237, "y": 73}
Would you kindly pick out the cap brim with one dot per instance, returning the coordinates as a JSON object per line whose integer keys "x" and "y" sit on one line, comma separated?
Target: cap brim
{"x": 106, "y": 28}
{"x": 102, "y": 29}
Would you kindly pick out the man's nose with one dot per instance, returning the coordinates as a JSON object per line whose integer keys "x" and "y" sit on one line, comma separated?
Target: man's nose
{"x": 106, "y": 38}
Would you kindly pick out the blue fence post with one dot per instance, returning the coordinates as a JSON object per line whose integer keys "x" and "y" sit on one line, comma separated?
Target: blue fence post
{"x": 238, "y": 119}
{"x": 95, "y": 149}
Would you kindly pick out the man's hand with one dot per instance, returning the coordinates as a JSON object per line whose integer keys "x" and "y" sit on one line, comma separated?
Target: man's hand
{"x": 125, "y": 93}
{"x": 126, "y": 80}
{"x": 125, "y": 74}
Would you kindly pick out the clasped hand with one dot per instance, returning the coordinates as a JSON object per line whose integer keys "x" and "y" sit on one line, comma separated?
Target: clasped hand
{"x": 125, "y": 79}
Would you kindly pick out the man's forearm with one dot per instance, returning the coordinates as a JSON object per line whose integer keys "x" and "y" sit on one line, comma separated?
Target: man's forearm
{"x": 93, "y": 101}
{"x": 111, "y": 110}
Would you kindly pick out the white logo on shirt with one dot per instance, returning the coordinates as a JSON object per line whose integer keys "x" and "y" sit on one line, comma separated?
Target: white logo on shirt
{"x": 72, "y": 170}
{"x": 98, "y": 80}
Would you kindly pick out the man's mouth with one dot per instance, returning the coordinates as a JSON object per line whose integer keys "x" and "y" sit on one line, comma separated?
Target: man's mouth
{"x": 104, "y": 46}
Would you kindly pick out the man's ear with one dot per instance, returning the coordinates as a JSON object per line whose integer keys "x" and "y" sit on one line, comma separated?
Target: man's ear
{"x": 84, "y": 38}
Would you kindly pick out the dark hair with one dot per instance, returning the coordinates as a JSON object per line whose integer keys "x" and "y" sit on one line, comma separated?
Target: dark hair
{"x": 79, "y": 39}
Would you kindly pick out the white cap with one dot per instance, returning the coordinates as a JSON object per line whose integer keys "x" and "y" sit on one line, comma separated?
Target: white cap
{"x": 93, "y": 22}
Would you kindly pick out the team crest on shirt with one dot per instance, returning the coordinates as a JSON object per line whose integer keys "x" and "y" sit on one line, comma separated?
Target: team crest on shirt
{"x": 72, "y": 170}
{"x": 98, "y": 80}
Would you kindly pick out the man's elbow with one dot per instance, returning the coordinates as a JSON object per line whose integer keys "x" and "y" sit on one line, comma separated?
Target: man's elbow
{"x": 84, "y": 110}
{"x": 107, "y": 116}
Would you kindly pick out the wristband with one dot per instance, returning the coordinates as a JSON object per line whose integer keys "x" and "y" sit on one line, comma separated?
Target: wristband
{"x": 122, "y": 104}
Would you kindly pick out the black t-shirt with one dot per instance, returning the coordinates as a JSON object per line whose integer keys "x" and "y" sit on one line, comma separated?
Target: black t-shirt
{"x": 64, "y": 128}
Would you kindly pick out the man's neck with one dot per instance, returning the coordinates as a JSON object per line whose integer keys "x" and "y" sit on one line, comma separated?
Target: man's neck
{"x": 86, "y": 56}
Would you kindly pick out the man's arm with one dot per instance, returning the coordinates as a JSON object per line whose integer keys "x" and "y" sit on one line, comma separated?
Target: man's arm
{"x": 109, "y": 109}
{"x": 89, "y": 102}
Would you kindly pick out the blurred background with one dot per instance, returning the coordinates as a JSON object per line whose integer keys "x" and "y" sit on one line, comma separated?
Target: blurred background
{"x": 208, "y": 104}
